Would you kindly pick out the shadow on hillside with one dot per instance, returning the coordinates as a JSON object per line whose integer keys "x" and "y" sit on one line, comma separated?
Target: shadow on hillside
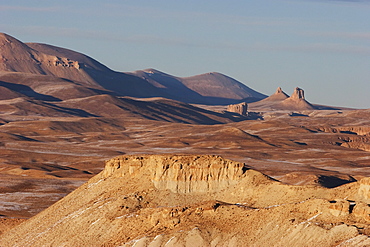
{"x": 27, "y": 91}
{"x": 332, "y": 181}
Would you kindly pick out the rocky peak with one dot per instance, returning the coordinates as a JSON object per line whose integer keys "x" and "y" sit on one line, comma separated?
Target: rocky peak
{"x": 279, "y": 90}
{"x": 298, "y": 94}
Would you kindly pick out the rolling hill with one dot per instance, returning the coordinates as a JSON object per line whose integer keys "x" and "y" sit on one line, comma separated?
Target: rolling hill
{"x": 43, "y": 59}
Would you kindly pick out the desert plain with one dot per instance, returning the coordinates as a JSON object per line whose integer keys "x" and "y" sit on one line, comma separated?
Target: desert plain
{"x": 95, "y": 157}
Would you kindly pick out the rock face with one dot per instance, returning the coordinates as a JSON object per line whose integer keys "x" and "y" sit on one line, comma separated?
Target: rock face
{"x": 181, "y": 174}
{"x": 194, "y": 200}
{"x": 238, "y": 108}
{"x": 298, "y": 94}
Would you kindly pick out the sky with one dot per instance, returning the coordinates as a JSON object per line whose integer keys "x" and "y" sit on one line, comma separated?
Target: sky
{"x": 322, "y": 46}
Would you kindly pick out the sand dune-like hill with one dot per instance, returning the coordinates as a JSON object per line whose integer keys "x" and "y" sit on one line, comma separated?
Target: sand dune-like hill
{"x": 195, "y": 200}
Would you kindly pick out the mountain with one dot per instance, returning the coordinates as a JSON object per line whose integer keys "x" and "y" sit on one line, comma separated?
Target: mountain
{"x": 39, "y": 80}
{"x": 209, "y": 88}
{"x": 43, "y": 59}
{"x": 196, "y": 200}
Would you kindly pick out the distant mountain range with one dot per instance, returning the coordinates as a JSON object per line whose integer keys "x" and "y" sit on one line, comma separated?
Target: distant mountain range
{"x": 83, "y": 71}
{"x": 52, "y": 75}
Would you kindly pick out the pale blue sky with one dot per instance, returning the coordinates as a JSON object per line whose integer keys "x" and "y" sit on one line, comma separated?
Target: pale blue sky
{"x": 320, "y": 46}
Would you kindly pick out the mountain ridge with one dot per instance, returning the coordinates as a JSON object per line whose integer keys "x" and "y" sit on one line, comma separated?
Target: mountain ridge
{"x": 45, "y": 59}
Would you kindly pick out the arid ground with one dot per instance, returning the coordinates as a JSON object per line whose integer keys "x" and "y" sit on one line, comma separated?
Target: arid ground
{"x": 187, "y": 172}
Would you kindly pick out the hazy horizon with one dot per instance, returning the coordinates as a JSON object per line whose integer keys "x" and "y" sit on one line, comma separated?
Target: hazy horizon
{"x": 320, "y": 46}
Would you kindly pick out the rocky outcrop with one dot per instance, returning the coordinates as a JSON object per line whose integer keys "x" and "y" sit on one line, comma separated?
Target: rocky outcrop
{"x": 362, "y": 210}
{"x": 339, "y": 208}
{"x": 180, "y": 173}
{"x": 297, "y": 94}
{"x": 238, "y": 108}
{"x": 296, "y": 101}
{"x": 357, "y": 137}
{"x": 364, "y": 189}
{"x": 281, "y": 101}
{"x": 279, "y": 95}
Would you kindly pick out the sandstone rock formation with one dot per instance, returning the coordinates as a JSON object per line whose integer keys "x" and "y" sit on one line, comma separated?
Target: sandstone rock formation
{"x": 194, "y": 200}
{"x": 297, "y": 101}
{"x": 240, "y": 108}
{"x": 280, "y": 101}
{"x": 279, "y": 95}
{"x": 298, "y": 94}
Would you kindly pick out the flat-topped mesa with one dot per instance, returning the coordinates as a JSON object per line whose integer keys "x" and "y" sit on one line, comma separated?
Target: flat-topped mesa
{"x": 298, "y": 94}
{"x": 179, "y": 173}
{"x": 240, "y": 108}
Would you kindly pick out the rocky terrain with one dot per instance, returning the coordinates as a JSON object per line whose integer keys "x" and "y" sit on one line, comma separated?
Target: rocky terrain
{"x": 187, "y": 200}
{"x": 288, "y": 171}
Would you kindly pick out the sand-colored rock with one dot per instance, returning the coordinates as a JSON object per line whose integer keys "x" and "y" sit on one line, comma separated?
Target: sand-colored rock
{"x": 223, "y": 203}
{"x": 362, "y": 210}
{"x": 364, "y": 189}
{"x": 240, "y": 108}
{"x": 339, "y": 208}
{"x": 280, "y": 101}
{"x": 297, "y": 101}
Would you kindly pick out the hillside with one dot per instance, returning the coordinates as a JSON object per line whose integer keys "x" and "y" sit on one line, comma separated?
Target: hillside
{"x": 210, "y": 88}
{"x": 184, "y": 200}
{"x": 43, "y": 59}
{"x": 280, "y": 101}
{"x": 293, "y": 172}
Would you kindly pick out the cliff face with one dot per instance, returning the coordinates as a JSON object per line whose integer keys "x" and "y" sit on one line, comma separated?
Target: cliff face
{"x": 180, "y": 174}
